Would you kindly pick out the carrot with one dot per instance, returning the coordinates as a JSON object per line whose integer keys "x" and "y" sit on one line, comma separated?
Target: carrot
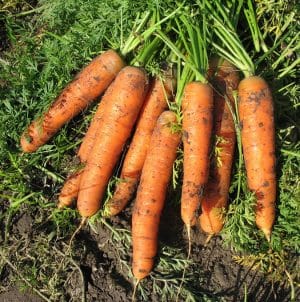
{"x": 70, "y": 189}
{"x": 155, "y": 104}
{"x": 197, "y": 105}
{"x": 124, "y": 99}
{"x": 255, "y": 109}
{"x": 87, "y": 86}
{"x": 215, "y": 196}
{"x": 258, "y": 142}
{"x": 151, "y": 194}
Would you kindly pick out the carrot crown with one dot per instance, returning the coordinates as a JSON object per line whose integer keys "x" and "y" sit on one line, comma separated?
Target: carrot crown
{"x": 139, "y": 35}
{"x": 190, "y": 48}
{"x": 230, "y": 46}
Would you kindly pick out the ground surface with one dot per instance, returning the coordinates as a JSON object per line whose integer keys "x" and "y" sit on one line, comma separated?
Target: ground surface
{"x": 215, "y": 273}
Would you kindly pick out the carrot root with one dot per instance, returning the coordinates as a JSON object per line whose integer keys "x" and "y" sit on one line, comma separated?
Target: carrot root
{"x": 69, "y": 191}
{"x": 123, "y": 101}
{"x": 197, "y": 107}
{"x": 86, "y": 87}
{"x": 258, "y": 142}
{"x": 151, "y": 194}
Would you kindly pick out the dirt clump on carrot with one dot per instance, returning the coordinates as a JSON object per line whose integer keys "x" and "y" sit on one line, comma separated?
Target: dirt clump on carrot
{"x": 258, "y": 142}
{"x": 89, "y": 84}
{"x": 156, "y": 102}
{"x": 123, "y": 101}
{"x": 151, "y": 193}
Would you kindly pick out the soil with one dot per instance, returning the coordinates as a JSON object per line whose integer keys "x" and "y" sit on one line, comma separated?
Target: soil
{"x": 216, "y": 273}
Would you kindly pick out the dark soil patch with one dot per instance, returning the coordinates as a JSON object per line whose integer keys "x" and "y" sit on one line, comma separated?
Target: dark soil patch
{"x": 14, "y": 295}
{"x": 107, "y": 278}
{"x": 4, "y": 44}
{"x": 219, "y": 275}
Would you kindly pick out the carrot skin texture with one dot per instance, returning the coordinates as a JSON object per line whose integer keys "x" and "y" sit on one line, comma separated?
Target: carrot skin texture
{"x": 215, "y": 196}
{"x": 258, "y": 142}
{"x": 197, "y": 107}
{"x": 155, "y": 104}
{"x": 70, "y": 189}
{"x": 156, "y": 174}
{"x": 124, "y": 99}
{"x": 91, "y": 134}
{"x": 76, "y": 96}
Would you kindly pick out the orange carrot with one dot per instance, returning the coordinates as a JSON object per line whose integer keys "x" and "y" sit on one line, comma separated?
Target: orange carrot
{"x": 258, "y": 142}
{"x": 215, "y": 196}
{"x": 70, "y": 189}
{"x": 155, "y": 104}
{"x": 86, "y": 87}
{"x": 151, "y": 194}
{"x": 124, "y": 99}
{"x": 197, "y": 106}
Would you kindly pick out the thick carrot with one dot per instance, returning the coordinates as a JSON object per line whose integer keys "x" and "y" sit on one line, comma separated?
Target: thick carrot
{"x": 155, "y": 104}
{"x": 151, "y": 194}
{"x": 258, "y": 142}
{"x": 87, "y": 86}
{"x": 225, "y": 78}
{"x": 124, "y": 99}
{"x": 70, "y": 189}
{"x": 197, "y": 108}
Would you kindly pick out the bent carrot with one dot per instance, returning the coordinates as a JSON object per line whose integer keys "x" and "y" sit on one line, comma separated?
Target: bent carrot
{"x": 258, "y": 142}
{"x": 197, "y": 106}
{"x": 155, "y": 104}
{"x": 87, "y": 86}
{"x": 215, "y": 197}
{"x": 151, "y": 193}
{"x": 70, "y": 189}
{"x": 124, "y": 99}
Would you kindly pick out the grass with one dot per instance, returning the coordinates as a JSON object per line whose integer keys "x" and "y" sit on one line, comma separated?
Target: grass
{"x": 44, "y": 46}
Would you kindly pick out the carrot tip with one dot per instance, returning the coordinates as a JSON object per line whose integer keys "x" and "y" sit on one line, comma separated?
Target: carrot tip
{"x": 135, "y": 289}
{"x": 267, "y": 234}
{"x": 60, "y": 205}
{"x": 208, "y": 239}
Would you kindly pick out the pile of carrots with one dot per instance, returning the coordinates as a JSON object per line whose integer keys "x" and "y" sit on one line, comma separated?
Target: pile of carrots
{"x": 136, "y": 108}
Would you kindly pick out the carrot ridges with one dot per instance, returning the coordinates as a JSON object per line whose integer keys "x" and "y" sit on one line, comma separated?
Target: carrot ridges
{"x": 156, "y": 102}
{"x": 76, "y": 96}
{"x": 258, "y": 142}
{"x": 123, "y": 99}
{"x": 197, "y": 106}
{"x": 151, "y": 194}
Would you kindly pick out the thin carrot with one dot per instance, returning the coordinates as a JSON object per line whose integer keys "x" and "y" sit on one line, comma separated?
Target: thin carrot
{"x": 258, "y": 142}
{"x": 156, "y": 102}
{"x": 70, "y": 189}
{"x": 225, "y": 78}
{"x": 197, "y": 107}
{"x": 151, "y": 193}
{"x": 86, "y": 87}
{"x": 124, "y": 99}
